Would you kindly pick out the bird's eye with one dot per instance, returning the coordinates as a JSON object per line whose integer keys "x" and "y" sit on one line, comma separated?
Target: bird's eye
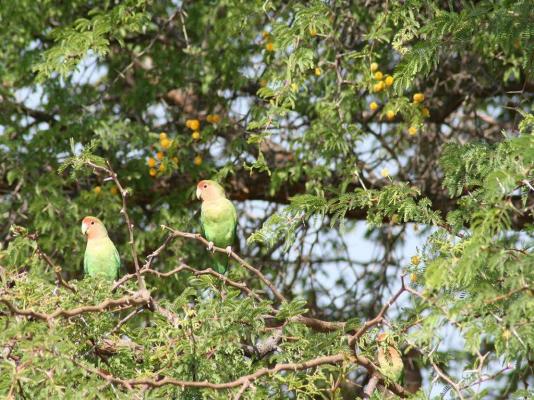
{"x": 205, "y": 186}
{"x": 92, "y": 223}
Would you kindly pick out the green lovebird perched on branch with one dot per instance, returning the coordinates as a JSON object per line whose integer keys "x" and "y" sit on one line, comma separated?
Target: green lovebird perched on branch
{"x": 101, "y": 256}
{"x": 218, "y": 219}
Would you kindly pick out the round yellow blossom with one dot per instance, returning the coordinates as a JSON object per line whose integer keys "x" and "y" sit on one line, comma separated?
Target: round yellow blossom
{"x": 313, "y": 31}
{"x": 161, "y": 168}
{"x": 294, "y": 87}
{"x": 379, "y": 75}
{"x": 165, "y": 143}
{"x": 193, "y": 124}
{"x": 114, "y": 190}
{"x": 389, "y": 80}
{"x": 265, "y": 34}
{"x": 415, "y": 260}
{"x": 418, "y": 98}
{"x": 412, "y": 131}
{"x": 198, "y": 160}
{"x": 378, "y": 87}
{"x": 384, "y": 172}
{"x": 151, "y": 162}
{"x": 196, "y": 135}
{"x": 318, "y": 71}
{"x": 97, "y": 189}
{"x": 213, "y": 118}
{"x": 162, "y": 136}
{"x": 426, "y": 112}
{"x": 152, "y": 172}
{"x": 373, "y": 106}
{"x": 390, "y": 115}
{"x": 374, "y": 67}
{"x": 160, "y": 155}
{"x": 269, "y": 46}
{"x": 413, "y": 277}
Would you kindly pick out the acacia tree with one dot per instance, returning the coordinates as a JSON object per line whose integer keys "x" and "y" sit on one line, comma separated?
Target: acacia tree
{"x": 337, "y": 128}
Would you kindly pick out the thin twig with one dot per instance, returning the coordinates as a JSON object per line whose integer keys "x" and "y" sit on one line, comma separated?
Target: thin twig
{"x": 379, "y": 317}
{"x": 233, "y": 255}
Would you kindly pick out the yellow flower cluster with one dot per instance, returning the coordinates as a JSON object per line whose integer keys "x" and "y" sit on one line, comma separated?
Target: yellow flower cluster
{"x": 194, "y": 125}
{"x": 386, "y": 81}
{"x": 113, "y": 190}
{"x": 383, "y": 81}
{"x": 165, "y": 144}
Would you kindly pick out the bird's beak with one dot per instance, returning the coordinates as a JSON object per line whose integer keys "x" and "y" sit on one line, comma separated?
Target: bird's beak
{"x": 199, "y": 193}
{"x": 85, "y": 227}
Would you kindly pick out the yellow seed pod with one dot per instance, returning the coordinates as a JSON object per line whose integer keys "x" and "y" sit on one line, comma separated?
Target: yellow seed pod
{"x": 161, "y": 168}
{"x": 198, "y": 160}
{"x": 373, "y": 106}
{"x": 389, "y": 80}
{"x": 379, "y": 75}
{"x": 114, "y": 190}
{"x": 175, "y": 160}
{"x": 265, "y": 34}
{"x": 373, "y": 67}
{"x": 318, "y": 71}
{"x": 97, "y": 189}
{"x": 390, "y": 114}
{"x": 196, "y": 135}
{"x": 313, "y": 31}
{"x": 151, "y": 162}
{"x": 418, "y": 98}
{"x": 412, "y": 131}
{"x": 415, "y": 260}
{"x": 413, "y": 277}
{"x": 152, "y": 171}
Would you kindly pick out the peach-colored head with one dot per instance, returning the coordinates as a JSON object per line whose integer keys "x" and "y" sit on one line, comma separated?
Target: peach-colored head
{"x": 93, "y": 228}
{"x": 209, "y": 190}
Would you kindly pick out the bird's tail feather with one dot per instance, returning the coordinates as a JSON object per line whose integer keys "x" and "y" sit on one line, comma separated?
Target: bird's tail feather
{"x": 221, "y": 262}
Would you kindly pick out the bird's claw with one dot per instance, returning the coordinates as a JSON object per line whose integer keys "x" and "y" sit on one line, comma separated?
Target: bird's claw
{"x": 229, "y": 251}
{"x": 210, "y": 246}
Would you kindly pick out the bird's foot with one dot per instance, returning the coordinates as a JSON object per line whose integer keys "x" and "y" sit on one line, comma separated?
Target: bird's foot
{"x": 229, "y": 251}
{"x": 210, "y": 246}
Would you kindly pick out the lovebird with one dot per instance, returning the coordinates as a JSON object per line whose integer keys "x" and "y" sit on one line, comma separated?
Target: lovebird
{"x": 101, "y": 256}
{"x": 218, "y": 219}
